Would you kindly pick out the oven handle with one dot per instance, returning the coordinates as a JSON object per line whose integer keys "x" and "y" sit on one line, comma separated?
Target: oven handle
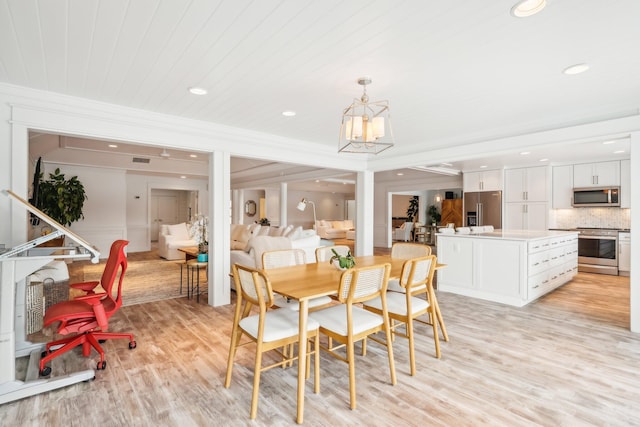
{"x": 598, "y": 237}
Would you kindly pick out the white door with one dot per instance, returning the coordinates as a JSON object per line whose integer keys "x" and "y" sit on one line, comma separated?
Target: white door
{"x": 164, "y": 210}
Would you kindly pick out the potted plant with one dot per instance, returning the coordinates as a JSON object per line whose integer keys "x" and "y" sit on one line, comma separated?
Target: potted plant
{"x": 342, "y": 262}
{"x": 60, "y": 198}
{"x": 412, "y": 210}
{"x": 434, "y": 214}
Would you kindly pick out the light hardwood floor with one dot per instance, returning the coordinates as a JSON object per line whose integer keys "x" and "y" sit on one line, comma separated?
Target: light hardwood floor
{"x": 566, "y": 359}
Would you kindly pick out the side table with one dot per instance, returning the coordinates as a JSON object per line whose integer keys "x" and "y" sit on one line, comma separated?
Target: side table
{"x": 193, "y": 269}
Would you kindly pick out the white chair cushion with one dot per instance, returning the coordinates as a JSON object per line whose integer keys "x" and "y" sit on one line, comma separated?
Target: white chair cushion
{"x": 397, "y": 303}
{"x": 278, "y": 324}
{"x": 291, "y": 304}
{"x": 335, "y": 319}
{"x": 179, "y": 231}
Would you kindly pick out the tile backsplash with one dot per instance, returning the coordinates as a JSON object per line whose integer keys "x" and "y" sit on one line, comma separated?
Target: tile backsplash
{"x": 590, "y": 217}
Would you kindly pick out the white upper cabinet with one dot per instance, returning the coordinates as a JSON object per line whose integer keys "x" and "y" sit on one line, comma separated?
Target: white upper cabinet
{"x": 562, "y": 187}
{"x": 625, "y": 183}
{"x": 601, "y": 174}
{"x": 526, "y": 184}
{"x": 526, "y": 216}
{"x": 490, "y": 180}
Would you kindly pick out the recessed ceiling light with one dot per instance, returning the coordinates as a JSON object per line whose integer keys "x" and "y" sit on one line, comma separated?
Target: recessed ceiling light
{"x": 113, "y": 146}
{"x": 618, "y": 152}
{"x": 399, "y": 174}
{"x": 183, "y": 177}
{"x": 317, "y": 180}
{"x": 524, "y": 153}
{"x": 609, "y": 142}
{"x": 576, "y": 69}
{"x": 483, "y": 166}
{"x": 526, "y": 8}
{"x": 544, "y": 160}
{"x": 288, "y": 113}
{"x": 193, "y": 155}
{"x": 198, "y": 90}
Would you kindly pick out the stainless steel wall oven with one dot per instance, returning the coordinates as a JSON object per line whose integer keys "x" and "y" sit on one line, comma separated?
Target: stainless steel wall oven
{"x": 598, "y": 251}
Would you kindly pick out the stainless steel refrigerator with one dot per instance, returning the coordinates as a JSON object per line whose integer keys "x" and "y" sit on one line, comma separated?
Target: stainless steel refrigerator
{"x": 483, "y": 208}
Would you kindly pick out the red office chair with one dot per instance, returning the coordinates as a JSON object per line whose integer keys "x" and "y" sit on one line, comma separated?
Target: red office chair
{"x": 87, "y": 316}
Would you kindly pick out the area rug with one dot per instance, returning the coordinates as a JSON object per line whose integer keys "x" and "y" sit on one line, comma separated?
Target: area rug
{"x": 146, "y": 281}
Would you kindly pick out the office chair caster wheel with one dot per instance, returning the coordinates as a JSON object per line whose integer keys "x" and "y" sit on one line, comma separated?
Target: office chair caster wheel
{"x": 45, "y": 372}
{"x": 102, "y": 365}
{"x": 132, "y": 345}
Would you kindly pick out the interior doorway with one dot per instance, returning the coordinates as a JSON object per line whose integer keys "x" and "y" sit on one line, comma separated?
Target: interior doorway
{"x": 170, "y": 207}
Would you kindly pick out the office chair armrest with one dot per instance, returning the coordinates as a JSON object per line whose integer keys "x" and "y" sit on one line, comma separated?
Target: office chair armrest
{"x": 91, "y": 299}
{"x": 88, "y": 287}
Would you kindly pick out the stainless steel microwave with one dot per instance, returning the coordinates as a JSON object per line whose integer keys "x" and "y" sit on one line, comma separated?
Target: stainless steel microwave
{"x": 596, "y": 197}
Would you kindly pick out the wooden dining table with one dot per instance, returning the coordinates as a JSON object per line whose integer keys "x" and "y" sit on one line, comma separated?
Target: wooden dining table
{"x": 305, "y": 282}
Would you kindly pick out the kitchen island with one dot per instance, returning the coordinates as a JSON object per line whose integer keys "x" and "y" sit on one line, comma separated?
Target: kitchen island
{"x": 511, "y": 267}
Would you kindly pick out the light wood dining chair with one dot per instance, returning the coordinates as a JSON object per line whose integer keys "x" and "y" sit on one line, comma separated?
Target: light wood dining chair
{"x": 417, "y": 300}
{"x": 287, "y": 258}
{"x": 347, "y": 323}
{"x": 408, "y": 251}
{"x": 270, "y": 330}
{"x": 324, "y": 253}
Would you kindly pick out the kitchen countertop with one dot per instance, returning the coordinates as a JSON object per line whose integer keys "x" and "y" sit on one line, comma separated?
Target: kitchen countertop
{"x": 513, "y": 234}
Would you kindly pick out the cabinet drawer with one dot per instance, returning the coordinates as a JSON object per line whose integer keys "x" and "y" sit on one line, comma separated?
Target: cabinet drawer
{"x": 538, "y": 262}
{"x": 538, "y": 245}
{"x": 538, "y": 284}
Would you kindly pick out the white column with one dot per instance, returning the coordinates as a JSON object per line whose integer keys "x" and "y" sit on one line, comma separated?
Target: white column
{"x": 364, "y": 214}
{"x": 219, "y": 229}
{"x": 20, "y": 183}
{"x": 634, "y": 280}
{"x": 283, "y": 204}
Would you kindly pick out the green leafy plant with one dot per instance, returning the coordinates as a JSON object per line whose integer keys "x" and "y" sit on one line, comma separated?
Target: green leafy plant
{"x": 412, "y": 210}
{"x": 434, "y": 214}
{"x": 343, "y": 261}
{"x": 62, "y": 199}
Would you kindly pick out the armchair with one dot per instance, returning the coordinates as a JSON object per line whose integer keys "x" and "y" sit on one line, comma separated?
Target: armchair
{"x": 173, "y": 237}
{"x": 403, "y": 232}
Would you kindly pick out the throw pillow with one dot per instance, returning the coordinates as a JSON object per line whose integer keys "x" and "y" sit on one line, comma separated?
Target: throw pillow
{"x": 295, "y": 234}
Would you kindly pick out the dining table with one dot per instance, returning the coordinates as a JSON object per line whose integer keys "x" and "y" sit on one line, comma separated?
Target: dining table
{"x": 308, "y": 281}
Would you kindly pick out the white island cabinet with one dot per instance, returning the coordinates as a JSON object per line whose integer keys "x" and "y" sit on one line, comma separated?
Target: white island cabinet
{"x": 507, "y": 266}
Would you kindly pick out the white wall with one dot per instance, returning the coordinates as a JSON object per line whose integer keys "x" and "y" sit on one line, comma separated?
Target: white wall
{"x": 105, "y": 215}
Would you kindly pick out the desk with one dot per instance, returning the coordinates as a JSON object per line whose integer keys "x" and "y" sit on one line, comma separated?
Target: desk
{"x": 321, "y": 279}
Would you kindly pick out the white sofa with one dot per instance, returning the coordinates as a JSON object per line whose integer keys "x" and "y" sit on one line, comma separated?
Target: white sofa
{"x": 334, "y": 229}
{"x": 173, "y": 237}
{"x": 251, "y": 255}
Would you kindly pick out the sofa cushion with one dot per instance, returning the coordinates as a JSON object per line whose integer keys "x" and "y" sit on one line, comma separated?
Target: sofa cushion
{"x": 264, "y": 231}
{"x": 295, "y": 233}
{"x": 180, "y": 231}
{"x": 260, "y": 244}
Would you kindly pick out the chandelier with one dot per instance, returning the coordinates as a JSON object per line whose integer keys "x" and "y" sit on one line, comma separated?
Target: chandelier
{"x": 363, "y": 128}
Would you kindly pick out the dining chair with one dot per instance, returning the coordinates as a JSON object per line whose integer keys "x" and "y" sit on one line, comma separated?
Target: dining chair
{"x": 324, "y": 253}
{"x": 417, "y": 300}
{"x": 287, "y": 258}
{"x": 347, "y": 323}
{"x": 270, "y": 330}
{"x": 406, "y": 251}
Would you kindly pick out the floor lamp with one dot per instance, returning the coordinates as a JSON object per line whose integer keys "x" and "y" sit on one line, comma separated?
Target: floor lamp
{"x": 303, "y": 204}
